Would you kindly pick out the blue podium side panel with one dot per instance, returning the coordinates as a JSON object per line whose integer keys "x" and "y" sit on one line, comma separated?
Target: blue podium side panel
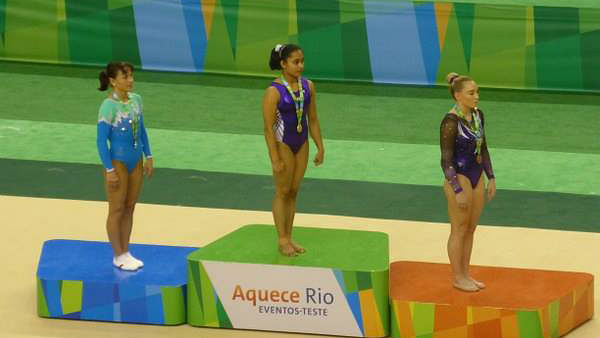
{"x": 76, "y": 280}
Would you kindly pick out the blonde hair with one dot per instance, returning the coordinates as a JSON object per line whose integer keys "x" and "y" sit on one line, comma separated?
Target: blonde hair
{"x": 456, "y": 82}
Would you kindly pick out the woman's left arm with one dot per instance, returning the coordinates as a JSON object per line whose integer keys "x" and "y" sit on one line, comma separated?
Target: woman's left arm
{"x": 149, "y": 163}
{"x": 314, "y": 126}
{"x": 486, "y": 162}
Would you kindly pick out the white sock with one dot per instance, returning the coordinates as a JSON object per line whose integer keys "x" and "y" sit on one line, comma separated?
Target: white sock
{"x": 124, "y": 263}
{"x": 137, "y": 261}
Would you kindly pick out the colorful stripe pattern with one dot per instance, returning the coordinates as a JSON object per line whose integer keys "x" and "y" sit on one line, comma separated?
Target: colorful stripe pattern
{"x": 426, "y": 320}
{"x": 125, "y": 302}
{"x": 368, "y": 299}
{"x": 204, "y": 306}
{"x": 380, "y": 41}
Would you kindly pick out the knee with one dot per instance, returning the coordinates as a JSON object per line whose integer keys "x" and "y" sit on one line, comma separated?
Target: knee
{"x": 128, "y": 208}
{"x": 116, "y": 210}
{"x": 293, "y": 193}
{"x": 286, "y": 193}
{"x": 466, "y": 231}
{"x": 460, "y": 229}
{"x": 470, "y": 230}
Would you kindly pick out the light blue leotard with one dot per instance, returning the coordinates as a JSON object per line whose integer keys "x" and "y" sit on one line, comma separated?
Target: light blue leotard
{"x": 122, "y": 125}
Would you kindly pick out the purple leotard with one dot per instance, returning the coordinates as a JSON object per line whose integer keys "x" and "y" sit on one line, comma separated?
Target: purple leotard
{"x": 458, "y": 146}
{"x": 287, "y": 121}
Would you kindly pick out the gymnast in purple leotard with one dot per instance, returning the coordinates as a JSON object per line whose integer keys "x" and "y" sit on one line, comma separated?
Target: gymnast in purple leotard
{"x": 290, "y": 114}
{"x": 286, "y": 120}
{"x": 465, "y": 157}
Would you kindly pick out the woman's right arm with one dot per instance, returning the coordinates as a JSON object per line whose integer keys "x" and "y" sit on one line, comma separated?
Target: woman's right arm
{"x": 448, "y": 132}
{"x": 270, "y": 101}
{"x": 103, "y": 134}
{"x": 101, "y": 142}
{"x": 102, "y": 137}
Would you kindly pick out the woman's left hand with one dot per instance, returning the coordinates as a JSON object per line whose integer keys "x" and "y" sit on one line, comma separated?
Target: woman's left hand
{"x": 319, "y": 158}
{"x": 148, "y": 167}
{"x": 491, "y": 189}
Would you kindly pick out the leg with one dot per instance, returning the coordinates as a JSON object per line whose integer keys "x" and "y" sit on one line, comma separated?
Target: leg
{"x": 477, "y": 208}
{"x": 459, "y": 222}
{"x": 135, "y": 181}
{"x": 116, "y": 205}
{"x": 301, "y": 163}
{"x": 283, "y": 185}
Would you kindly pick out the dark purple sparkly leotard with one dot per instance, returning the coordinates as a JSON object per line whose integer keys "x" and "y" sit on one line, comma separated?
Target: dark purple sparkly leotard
{"x": 458, "y": 147}
{"x": 287, "y": 121}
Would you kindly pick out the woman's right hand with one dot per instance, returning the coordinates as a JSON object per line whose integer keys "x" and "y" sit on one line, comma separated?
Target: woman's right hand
{"x": 277, "y": 166}
{"x": 113, "y": 179}
{"x": 461, "y": 199}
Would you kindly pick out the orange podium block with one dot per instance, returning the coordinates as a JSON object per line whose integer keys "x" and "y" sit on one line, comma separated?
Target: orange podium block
{"x": 517, "y": 303}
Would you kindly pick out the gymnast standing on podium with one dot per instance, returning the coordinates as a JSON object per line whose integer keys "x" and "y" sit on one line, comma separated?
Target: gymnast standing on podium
{"x": 120, "y": 123}
{"x": 289, "y": 114}
{"x": 465, "y": 157}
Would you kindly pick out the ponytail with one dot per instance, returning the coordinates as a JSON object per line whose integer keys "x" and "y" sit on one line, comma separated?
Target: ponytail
{"x": 104, "y": 82}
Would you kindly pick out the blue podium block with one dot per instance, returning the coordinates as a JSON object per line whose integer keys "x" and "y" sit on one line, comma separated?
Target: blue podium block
{"x": 76, "y": 280}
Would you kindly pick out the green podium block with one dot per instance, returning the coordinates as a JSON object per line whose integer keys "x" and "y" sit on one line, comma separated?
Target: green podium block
{"x": 338, "y": 287}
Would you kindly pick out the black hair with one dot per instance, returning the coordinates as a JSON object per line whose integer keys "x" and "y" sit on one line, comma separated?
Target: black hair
{"x": 111, "y": 71}
{"x": 281, "y": 52}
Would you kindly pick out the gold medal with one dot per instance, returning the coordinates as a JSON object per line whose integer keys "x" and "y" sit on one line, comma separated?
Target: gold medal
{"x": 298, "y": 101}
{"x": 479, "y": 159}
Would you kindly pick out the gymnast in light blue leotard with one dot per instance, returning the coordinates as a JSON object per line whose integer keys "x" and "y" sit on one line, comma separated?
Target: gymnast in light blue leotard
{"x": 122, "y": 125}
{"x": 122, "y": 143}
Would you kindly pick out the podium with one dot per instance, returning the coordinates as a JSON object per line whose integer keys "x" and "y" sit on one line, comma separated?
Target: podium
{"x": 338, "y": 287}
{"x": 76, "y": 280}
{"x": 516, "y": 302}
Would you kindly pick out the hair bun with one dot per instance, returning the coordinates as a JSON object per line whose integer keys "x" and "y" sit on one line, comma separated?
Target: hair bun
{"x": 451, "y": 77}
{"x": 279, "y": 48}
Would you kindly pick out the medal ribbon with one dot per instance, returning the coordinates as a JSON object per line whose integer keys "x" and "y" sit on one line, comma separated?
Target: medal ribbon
{"x": 133, "y": 118}
{"x": 474, "y": 127}
{"x": 298, "y": 101}
{"x": 134, "y": 127}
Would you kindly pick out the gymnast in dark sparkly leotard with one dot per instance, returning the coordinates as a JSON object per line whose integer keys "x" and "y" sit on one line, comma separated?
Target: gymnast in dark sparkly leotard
{"x": 465, "y": 157}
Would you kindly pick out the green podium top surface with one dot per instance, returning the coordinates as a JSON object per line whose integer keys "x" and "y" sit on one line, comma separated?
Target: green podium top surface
{"x": 347, "y": 250}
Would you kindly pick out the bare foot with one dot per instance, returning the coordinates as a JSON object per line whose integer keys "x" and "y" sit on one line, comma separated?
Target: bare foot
{"x": 299, "y": 249}
{"x": 464, "y": 284}
{"x": 287, "y": 249}
{"x": 477, "y": 283}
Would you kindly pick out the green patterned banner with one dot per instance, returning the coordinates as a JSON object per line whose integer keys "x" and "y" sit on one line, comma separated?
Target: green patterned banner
{"x": 384, "y": 41}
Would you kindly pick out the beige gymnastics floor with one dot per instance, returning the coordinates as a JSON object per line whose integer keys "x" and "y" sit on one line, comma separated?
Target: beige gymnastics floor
{"x": 28, "y": 222}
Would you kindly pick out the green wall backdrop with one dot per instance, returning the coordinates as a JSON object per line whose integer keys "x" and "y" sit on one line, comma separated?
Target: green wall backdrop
{"x": 411, "y": 42}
